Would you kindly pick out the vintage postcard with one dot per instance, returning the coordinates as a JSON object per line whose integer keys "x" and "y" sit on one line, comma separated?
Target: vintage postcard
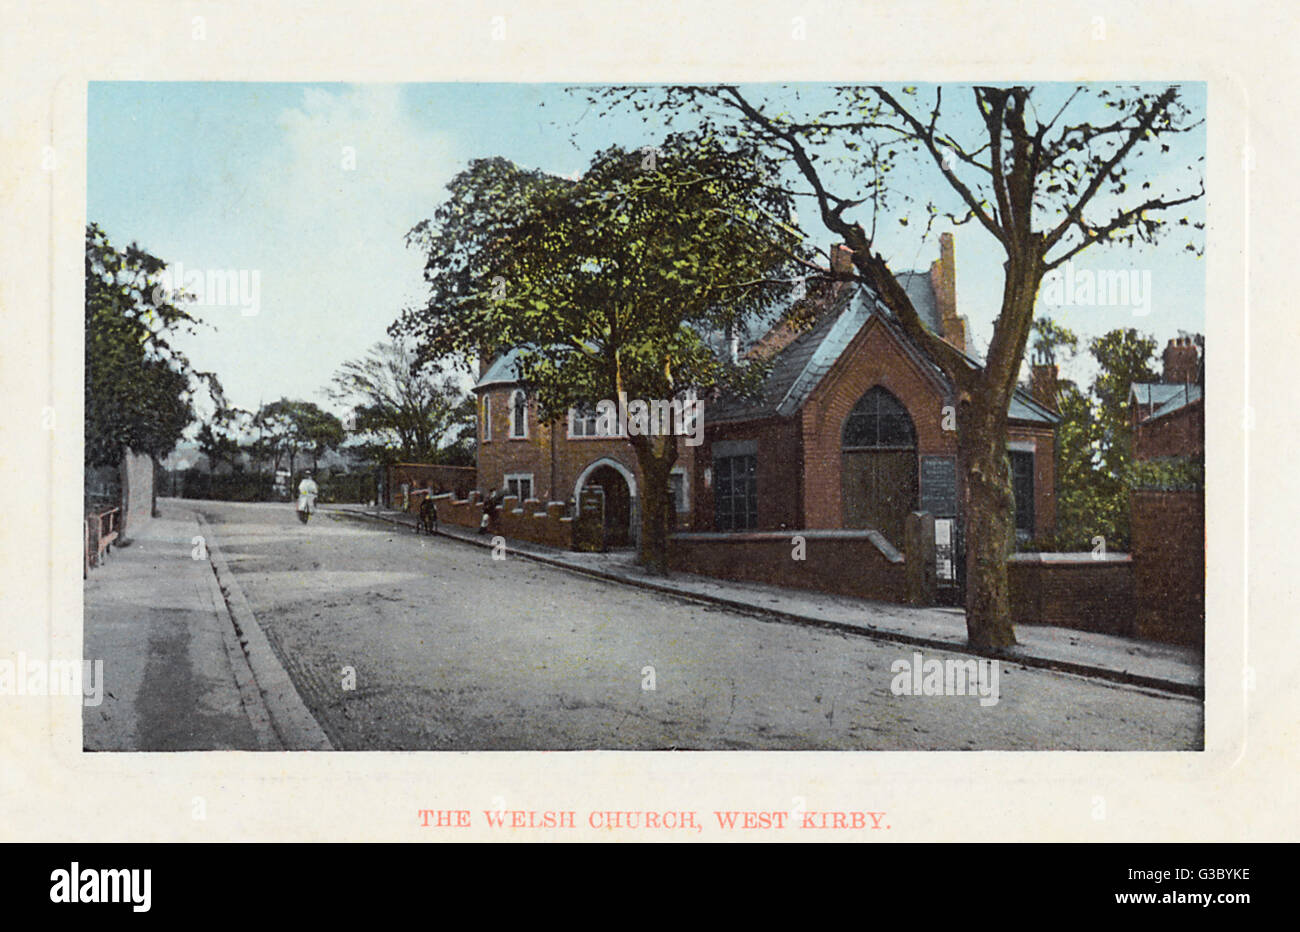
{"x": 749, "y": 435}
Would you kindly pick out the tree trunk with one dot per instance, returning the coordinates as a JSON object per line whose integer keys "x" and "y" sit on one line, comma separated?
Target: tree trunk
{"x": 656, "y": 502}
{"x": 989, "y": 531}
{"x": 990, "y": 502}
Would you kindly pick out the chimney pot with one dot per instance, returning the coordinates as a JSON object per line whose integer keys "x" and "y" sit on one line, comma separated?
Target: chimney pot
{"x": 841, "y": 261}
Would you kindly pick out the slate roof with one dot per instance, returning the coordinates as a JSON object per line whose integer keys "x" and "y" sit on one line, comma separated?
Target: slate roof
{"x": 800, "y": 367}
{"x": 501, "y": 372}
{"x": 919, "y": 288}
{"x": 1148, "y": 393}
{"x": 1183, "y": 396}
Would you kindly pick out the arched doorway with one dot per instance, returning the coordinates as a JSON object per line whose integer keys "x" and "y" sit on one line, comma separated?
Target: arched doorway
{"x": 878, "y": 465}
{"x": 618, "y": 486}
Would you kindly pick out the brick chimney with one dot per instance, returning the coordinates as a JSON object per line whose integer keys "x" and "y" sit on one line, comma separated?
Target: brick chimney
{"x": 842, "y": 262}
{"x": 1043, "y": 376}
{"x": 943, "y": 282}
{"x": 1182, "y": 361}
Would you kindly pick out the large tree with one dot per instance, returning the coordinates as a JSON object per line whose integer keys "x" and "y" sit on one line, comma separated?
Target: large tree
{"x": 1095, "y": 443}
{"x": 139, "y": 388}
{"x": 409, "y": 411}
{"x": 611, "y": 283}
{"x": 1045, "y": 174}
{"x": 289, "y": 428}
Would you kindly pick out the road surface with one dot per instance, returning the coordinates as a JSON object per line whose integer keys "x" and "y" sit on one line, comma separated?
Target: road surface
{"x": 402, "y": 642}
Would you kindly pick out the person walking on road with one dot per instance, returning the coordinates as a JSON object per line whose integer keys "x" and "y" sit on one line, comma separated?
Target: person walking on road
{"x": 307, "y": 492}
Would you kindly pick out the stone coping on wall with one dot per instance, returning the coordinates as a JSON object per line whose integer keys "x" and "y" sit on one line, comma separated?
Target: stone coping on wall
{"x": 1082, "y": 558}
{"x": 891, "y": 553}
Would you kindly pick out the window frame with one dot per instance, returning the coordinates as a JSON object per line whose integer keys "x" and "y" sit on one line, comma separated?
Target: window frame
{"x": 514, "y": 415}
{"x": 518, "y": 477}
{"x": 749, "y": 496}
{"x": 574, "y": 417}
{"x": 1025, "y": 514}
{"x": 878, "y": 393}
{"x": 685, "y": 505}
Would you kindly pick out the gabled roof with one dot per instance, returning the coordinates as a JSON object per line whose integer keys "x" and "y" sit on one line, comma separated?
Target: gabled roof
{"x": 1157, "y": 393}
{"x": 503, "y": 371}
{"x": 802, "y": 365}
{"x": 1157, "y": 399}
{"x": 1187, "y": 394}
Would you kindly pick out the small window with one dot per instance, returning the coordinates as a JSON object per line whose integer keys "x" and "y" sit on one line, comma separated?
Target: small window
{"x": 1022, "y": 486}
{"x": 518, "y": 414}
{"x": 487, "y": 418}
{"x": 677, "y": 490}
{"x": 735, "y": 493}
{"x": 520, "y": 485}
{"x": 584, "y": 422}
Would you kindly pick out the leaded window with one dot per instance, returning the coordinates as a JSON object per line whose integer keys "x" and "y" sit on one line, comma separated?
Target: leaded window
{"x": 878, "y": 420}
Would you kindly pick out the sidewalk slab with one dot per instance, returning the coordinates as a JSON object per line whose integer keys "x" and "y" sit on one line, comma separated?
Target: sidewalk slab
{"x": 154, "y": 614}
{"x": 1125, "y": 660}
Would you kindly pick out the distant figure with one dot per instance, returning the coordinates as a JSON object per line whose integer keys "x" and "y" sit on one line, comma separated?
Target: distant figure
{"x": 490, "y": 506}
{"x": 428, "y": 519}
{"x": 307, "y": 492}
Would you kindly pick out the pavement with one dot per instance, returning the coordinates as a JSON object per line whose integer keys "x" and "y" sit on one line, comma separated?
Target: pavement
{"x": 1153, "y": 665}
{"x": 186, "y": 664}
{"x": 173, "y": 676}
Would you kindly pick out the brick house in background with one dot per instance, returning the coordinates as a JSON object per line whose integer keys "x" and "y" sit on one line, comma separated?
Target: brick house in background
{"x": 1168, "y": 524}
{"x": 849, "y": 431}
{"x": 1169, "y": 416}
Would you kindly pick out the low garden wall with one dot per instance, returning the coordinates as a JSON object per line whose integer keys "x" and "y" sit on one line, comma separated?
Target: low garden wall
{"x": 1083, "y": 591}
{"x": 854, "y": 563}
{"x": 530, "y": 520}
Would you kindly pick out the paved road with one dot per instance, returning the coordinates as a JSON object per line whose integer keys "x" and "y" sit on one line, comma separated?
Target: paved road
{"x": 454, "y": 650}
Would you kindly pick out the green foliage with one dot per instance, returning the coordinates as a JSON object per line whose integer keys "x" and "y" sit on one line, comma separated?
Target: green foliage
{"x": 289, "y": 429}
{"x": 401, "y": 412}
{"x": 1094, "y": 444}
{"x": 139, "y": 388}
{"x": 1167, "y": 474}
{"x": 611, "y": 282}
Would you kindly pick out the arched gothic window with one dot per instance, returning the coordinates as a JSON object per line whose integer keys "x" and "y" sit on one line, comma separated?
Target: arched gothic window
{"x": 878, "y": 420}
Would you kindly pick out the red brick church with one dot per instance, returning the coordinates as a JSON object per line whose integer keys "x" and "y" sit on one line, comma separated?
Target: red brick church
{"x": 850, "y": 431}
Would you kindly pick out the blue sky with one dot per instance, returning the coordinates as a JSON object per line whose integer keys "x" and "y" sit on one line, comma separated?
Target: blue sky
{"x": 314, "y": 187}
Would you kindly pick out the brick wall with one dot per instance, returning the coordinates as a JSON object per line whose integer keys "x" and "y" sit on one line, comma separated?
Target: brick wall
{"x": 1073, "y": 590}
{"x": 853, "y": 563}
{"x": 778, "y": 477}
{"x": 1181, "y": 433}
{"x": 1168, "y": 531}
{"x": 530, "y": 520}
{"x": 555, "y": 460}
{"x": 874, "y": 358}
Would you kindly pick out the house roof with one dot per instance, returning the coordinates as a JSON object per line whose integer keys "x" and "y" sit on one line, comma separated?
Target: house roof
{"x": 1157, "y": 393}
{"x": 1184, "y": 397}
{"x": 503, "y": 371}
{"x": 800, "y": 367}
{"x": 920, "y": 289}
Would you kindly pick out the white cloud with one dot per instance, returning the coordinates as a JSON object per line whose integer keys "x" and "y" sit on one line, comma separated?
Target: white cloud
{"x": 323, "y": 215}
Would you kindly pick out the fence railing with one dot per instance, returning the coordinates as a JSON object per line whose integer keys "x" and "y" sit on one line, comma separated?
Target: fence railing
{"x": 102, "y": 528}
